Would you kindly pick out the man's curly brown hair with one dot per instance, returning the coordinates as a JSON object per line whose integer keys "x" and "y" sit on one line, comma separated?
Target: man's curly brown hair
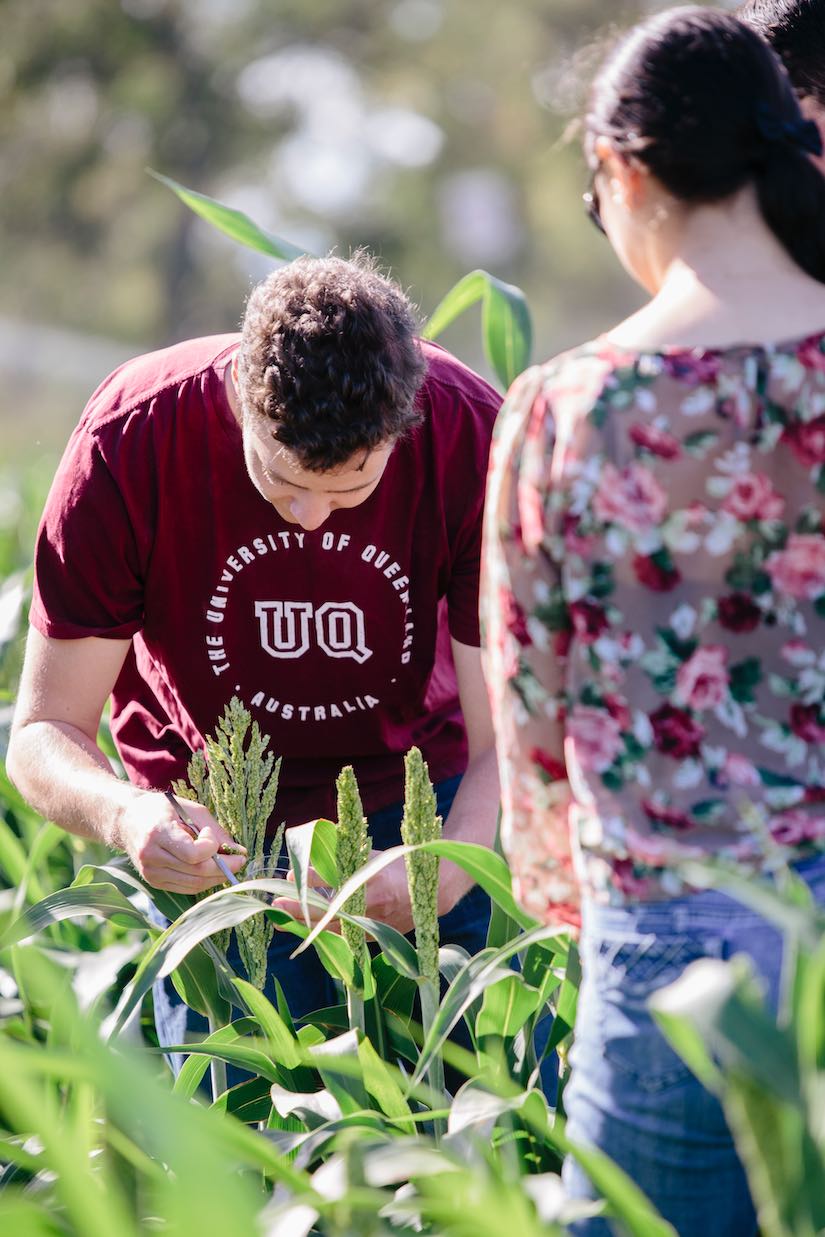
{"x": 329, "y": 354}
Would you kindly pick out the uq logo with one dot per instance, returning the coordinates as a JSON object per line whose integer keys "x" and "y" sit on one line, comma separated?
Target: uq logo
{"x": 287, "y": 627}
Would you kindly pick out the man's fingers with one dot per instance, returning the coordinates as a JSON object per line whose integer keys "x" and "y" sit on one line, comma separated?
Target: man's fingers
{"x": 296, "y": 911}
{"x": 176, "y": 881}
{"x": 203, "y": 869}
{"x": 219, "y": 837}
{"x": 175, "y": 841}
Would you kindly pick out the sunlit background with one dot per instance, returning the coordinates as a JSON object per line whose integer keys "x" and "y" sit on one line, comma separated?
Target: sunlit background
{"x": 435, "y": 132}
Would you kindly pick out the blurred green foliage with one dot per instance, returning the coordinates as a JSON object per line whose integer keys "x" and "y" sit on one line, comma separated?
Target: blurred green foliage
{"x": 429, "y": 131}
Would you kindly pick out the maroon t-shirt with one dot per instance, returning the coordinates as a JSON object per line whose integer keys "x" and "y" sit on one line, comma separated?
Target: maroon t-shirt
{"x": 336, "y": 640}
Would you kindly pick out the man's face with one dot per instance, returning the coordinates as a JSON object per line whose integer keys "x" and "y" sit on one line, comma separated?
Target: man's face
{"x": 298, "y": 495}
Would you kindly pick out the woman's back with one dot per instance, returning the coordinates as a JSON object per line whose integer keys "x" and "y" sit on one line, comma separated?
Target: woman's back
{"x": 679, "y": 499}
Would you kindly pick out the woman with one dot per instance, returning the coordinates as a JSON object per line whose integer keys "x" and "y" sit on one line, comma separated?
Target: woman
{"x": 655, "y": 583}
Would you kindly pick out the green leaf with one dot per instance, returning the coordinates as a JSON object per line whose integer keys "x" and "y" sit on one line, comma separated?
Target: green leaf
{"x": 681, "y": 649}
{"x": 473, "y": 979}
{"x": 284, "y": 1046}
{"x": 744, "y": 677}
{"x": 323, "y": 851}
{"x": 769, "y": 778}
{"x": 103, "y": 901}
{"x": 461, "y": 297}
{"x": 248, "y": 1101}
{"x": 12, "y": 854}
{"x": 195, "y": 1066}
{"x": 699, "y": 442}
{"x": 299, "y": 849}
{"x": 382, "y": 1086}
{"x": 507, "y": 329}
{"x": 486, "y": 867}
{"x": 708, "y": 809}
{"x": 233, "y": 223}
{"x": 224, "y": 909}
{"x": 506, "y": 1007}
{"x": 238, "y": 1053}
{"x": 196, "y": 983}
{"x": 505, "y": 321}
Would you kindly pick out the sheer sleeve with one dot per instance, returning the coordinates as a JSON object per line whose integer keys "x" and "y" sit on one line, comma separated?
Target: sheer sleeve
{"x": 527, "y": 630}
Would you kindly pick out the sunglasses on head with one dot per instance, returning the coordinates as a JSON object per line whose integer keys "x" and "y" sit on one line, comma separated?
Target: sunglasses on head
{"x": 591, "y": 202}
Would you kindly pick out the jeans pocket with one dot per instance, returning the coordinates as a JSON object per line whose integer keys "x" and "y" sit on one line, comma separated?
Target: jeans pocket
{"x": 627, "y": 973}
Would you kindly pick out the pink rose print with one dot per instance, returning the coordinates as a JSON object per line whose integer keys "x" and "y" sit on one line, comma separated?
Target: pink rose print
{"x": 589, "y": 620}
{"x": 561, "y": 642}
{"x": 675, "y": 733}
{"x": 627, "y": 881}
{"x": 807, "y": 440}
{"x": 737, "y": 612}
{"x": 692, "y": 368}
{"x": 799, "y": 569}
{"x": 808, "y": 722}
{"x": 739, "y": 770}
{"x": 596, "y": 737}
{"x": 515, "y": 619}
{"x": 667, "y": 816}
{"x": 653, "y": 576}
{"x": 574, "y": 541}
{"x": 555, "y": 770}
{"x": 794, "y": 827}
{"x": 617, "y": 708}
{"x": 810, "y": 353}
{"x": 754, "y": 498}
{"x": 656, "y": 441}
{"x": 702, "y": 681}
{"x": 631, "y": 498}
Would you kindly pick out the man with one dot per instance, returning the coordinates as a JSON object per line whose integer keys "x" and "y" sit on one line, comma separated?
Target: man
{"x": 796, "y": 31}
{"x": 293, "y": 517}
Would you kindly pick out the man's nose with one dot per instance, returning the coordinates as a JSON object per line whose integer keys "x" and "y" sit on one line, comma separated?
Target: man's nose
{"x": 310, "y": 510}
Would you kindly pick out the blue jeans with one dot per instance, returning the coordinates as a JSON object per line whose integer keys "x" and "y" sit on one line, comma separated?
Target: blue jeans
{"x": 306, "y": 984}
{"x": 630, "y": 1094}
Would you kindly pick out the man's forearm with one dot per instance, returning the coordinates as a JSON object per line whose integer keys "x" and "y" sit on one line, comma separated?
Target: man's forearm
{"x": 64, "y": 775}
{"x": 472, "y": 818}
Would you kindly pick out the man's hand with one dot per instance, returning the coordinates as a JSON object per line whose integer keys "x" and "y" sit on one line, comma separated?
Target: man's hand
{"x": 388, "y": 898}
{"x": 165, "y": 855}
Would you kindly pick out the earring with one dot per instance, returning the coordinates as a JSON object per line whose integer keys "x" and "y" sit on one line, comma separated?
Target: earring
{"x": 658, "y": 217}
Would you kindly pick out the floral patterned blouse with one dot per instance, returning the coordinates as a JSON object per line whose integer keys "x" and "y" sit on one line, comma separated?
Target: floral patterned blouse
{"x": 654, "y": 608}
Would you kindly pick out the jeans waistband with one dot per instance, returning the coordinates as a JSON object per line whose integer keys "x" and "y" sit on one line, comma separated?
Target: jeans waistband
{"x": 707, "y": 908}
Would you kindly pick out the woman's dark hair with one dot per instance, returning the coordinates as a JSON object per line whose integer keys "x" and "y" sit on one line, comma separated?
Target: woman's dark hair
{"x": 796, "y": 30}
{"x": 702, "y": 101}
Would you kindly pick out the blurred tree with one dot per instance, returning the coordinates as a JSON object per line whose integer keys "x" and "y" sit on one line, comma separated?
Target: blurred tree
{"x": 429, "y": 131}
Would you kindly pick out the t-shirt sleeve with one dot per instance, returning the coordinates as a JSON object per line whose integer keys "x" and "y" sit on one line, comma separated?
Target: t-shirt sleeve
{"x": 87, "y": 577}
{"x": 468, "y": 489}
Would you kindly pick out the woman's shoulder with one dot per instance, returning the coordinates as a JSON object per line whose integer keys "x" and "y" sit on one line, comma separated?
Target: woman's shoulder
{"x": 568, "y": 385}
{"x": 597, "y": 360}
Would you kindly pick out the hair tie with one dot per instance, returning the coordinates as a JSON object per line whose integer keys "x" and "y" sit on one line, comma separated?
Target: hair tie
{"x": 799, "y": 134}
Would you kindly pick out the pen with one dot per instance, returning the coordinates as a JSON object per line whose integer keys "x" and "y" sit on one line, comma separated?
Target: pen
{"x": 190, "y": 826}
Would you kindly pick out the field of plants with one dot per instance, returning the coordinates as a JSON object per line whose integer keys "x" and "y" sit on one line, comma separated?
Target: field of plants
{"x": 349, "y": 1123}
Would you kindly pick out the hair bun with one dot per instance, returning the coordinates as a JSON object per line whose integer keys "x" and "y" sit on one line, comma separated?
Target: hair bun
{"x": 798, "y": 134}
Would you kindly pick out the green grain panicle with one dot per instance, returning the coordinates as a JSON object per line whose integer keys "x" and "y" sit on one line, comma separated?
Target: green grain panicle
{"x": 422, "y": 824}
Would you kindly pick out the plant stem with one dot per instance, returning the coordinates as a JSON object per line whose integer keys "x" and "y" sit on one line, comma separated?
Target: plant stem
{"x": 355, "y": 1011}
{"x": 428, "y": 992}
{"x": 217, "y": 1068}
